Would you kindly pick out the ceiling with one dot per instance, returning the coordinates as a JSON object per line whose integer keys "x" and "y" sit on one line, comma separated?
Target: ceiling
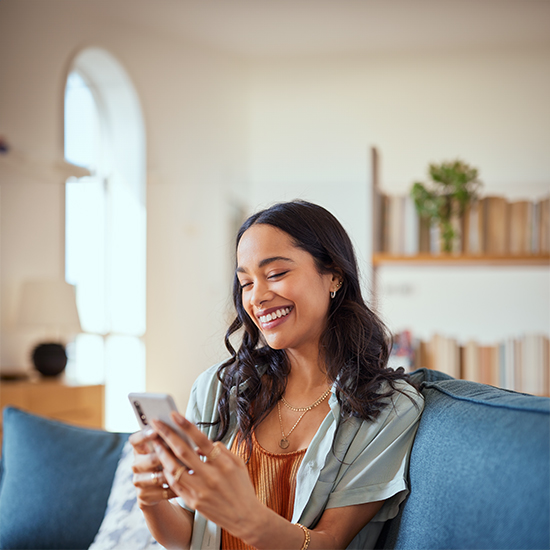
{"x": 259, "y": 28}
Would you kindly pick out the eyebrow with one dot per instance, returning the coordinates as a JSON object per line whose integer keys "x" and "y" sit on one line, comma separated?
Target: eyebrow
{"x": 267, "y": 261}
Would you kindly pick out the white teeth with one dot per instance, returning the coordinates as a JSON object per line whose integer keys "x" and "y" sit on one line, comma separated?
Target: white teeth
{"x": 275, "y": 315}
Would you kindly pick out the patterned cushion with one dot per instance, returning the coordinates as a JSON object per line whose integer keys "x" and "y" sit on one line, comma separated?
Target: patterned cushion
{"x": 123, "y": 525}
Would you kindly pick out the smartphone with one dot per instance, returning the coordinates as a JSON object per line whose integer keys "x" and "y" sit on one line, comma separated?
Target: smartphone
{"x": 156, "y": 406}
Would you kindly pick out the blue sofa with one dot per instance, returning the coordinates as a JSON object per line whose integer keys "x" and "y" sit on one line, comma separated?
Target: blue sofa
{"x": 479, "y": 475}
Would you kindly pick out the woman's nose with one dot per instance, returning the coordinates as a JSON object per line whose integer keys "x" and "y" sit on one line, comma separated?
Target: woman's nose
{"x": 260, "y": 294}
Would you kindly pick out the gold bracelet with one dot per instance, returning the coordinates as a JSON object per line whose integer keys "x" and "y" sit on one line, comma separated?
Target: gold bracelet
{"x": 307, "y": 536}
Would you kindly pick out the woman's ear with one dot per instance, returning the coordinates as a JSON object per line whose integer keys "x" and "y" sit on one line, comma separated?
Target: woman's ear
{"x": 336, "y": 282}
{"x": 337, "y": 276}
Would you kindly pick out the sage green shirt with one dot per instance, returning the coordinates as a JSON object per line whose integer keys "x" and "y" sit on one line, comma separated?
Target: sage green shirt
{"x": 369, "y": 462}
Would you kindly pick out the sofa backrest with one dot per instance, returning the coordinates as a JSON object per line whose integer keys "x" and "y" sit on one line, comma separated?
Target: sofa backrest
{"x": 479, "y": 470}
{"x": 55, "y": 480}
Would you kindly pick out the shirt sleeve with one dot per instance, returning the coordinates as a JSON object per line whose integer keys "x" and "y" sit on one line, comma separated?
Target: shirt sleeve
{"x": 376, "y": 465}
{"x": 193, "y": 415}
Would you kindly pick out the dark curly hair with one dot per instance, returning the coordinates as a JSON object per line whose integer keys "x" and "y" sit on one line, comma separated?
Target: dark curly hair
{"x": 354, "y": 346}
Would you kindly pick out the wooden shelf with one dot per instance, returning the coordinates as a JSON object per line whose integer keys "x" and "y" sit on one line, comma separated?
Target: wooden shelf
{"x": 380, "y": 258}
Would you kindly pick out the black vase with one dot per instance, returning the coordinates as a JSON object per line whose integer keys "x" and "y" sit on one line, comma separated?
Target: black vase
{"x": 49, "y": 359}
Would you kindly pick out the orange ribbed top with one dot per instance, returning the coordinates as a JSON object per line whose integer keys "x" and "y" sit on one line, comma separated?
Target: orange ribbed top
{"x": 274, "y": 478}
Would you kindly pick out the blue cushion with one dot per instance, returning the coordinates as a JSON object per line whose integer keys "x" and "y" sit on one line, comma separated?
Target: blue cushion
{"x": 55, "y": 482}
{"x": 479, "y": 471}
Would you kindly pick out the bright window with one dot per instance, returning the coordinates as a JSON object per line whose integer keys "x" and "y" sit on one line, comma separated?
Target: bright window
{"x": 105, "y": 234}
{"x": 82, "y": 123}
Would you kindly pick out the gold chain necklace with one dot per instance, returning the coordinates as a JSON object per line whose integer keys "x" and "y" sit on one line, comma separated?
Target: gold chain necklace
{"x": 284, "y": 440}
{"x": 301, "y": 409}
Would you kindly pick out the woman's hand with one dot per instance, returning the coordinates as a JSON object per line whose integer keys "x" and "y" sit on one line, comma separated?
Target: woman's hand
{"x": 218, "y": 487}
{"x": 149, "y": 479}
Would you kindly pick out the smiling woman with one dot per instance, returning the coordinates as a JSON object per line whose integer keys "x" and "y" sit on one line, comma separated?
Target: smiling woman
{"x": 303, "y": 435}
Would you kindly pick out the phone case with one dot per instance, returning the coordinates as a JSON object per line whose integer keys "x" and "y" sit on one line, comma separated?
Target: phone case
{"x": 156, "y": 406}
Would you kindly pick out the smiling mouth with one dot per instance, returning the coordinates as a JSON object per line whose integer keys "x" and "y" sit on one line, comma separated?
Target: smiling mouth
{"x": 283, "y": 312}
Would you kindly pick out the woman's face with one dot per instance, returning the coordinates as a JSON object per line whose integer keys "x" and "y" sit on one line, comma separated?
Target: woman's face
{"x": 282, "y": 290}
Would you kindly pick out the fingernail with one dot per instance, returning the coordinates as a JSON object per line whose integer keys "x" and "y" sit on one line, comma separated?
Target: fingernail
{"x": 159, "y": 426}
{"x": 181, "y": 420}
{"x": 148, "y": 432}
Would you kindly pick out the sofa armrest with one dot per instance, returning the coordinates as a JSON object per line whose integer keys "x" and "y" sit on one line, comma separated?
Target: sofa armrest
{"x": 479, "y": 471}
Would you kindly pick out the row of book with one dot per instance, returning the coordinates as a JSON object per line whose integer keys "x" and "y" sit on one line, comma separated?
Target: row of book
{"x": 491, "y": 225}
{"x": 519, "y": 364}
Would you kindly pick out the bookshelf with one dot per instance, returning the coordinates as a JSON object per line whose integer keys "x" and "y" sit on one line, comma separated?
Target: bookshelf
{"x": 383, "y": 258}
{"x": 493, "y": 231}
{"x": 507, "y": 363}
{"x": 518, "y": 364}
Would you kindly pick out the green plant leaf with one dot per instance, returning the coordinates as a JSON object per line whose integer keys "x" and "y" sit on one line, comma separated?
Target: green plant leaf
{"x": 454, "y": 184}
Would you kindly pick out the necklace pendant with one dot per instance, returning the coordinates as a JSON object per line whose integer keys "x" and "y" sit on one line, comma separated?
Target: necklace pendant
{"x": 284, "y": 443}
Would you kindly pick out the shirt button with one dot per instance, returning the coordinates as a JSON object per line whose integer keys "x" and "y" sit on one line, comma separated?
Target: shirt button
{"x": 312, "y": 465}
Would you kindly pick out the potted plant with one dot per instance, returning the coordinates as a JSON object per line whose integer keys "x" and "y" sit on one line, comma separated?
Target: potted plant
{"x": 454, "y": 185}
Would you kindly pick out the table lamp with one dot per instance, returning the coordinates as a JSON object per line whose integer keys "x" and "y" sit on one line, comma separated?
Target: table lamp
{"x": 49, "y": 305}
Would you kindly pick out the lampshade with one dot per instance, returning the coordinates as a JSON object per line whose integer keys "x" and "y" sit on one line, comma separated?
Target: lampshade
{"x": 49, "y": 304}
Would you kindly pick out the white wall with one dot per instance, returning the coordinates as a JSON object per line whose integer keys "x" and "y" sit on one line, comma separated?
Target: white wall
{"x": 316, "y": 116}
{"x": 193, "y": 105}
{"x": 484, "y": 303}
{"x": 313, "y": 121}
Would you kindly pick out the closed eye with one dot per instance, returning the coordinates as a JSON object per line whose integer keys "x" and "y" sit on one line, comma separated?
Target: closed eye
{"x": 272, "y": 276}
{"x": 275, "y": 275}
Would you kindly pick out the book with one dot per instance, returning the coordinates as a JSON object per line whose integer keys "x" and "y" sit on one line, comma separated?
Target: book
{"x": 466, "y": 229}
{"x": 454, "y": 355}
{"x": 435, "y": 238}
{"x": 422, "y": 356}
{"x": 518, "y": 364}
{"x": 535, "y": 223}
{"x": 544, "y": 225}
{"x": 473, "y": 229}
{"x": 396, "y": 228}
{"x": 445, "y": 355}
{"x": 490, "y": 225}
{"x": 521, "y": 227}
{"x": 487, "y": 357}
{"x": 411, "y": 226}
{"x": 470, "y": 362}
{"x": 495, "y": 212}
{"x": 501, "y": 355}
{"x": 508, "y": 375}
{"x": 533, "y": 377}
